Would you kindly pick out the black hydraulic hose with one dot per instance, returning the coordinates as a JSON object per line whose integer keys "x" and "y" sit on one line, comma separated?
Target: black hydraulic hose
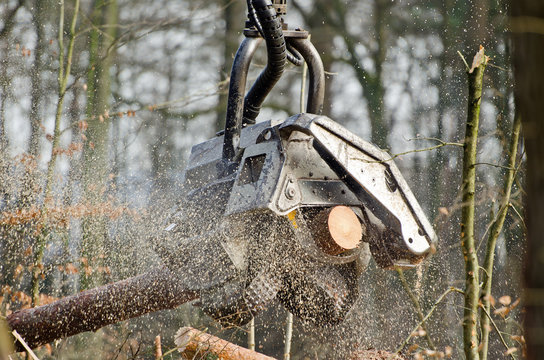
{"x": 272, "y": 33}
{"x": 293, "y": 56}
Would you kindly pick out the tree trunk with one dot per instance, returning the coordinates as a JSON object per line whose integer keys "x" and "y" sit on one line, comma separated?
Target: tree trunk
{"x": 234, "y": 14}
{"x": 35, "y": 77}
{"x": 527, "y": 26}
{"x": 472, "y": 285}
{"x": 92, "y": 309}
{"x": 96, "y": 164}
{"x": 322, "y": 38}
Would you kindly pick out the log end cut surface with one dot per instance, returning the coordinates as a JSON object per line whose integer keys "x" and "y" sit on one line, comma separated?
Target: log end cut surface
{"x": 344, "y": 227}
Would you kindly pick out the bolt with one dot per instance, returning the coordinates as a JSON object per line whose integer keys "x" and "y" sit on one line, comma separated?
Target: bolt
{"x": 290, "y": 192}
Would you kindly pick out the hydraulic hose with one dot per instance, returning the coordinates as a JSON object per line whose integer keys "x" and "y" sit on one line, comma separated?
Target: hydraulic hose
{"x": 293, "y": 56}
{"x": 263, "y": 15}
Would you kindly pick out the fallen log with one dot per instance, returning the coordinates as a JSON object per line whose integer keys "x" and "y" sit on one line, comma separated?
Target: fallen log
{"x": 336, "y": 230}
{"x": 196, "y": 344}
{"x": 92, "y": 309}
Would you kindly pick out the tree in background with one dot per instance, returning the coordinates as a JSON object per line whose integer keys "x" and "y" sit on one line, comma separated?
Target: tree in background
{"x": 527, "y": 26}
{"x": 96, "y": 166}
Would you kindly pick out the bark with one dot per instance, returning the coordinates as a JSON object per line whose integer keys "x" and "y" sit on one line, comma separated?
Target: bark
{"x": 527, "y": 26}
{"x": 472, "y": 290}
{"x": 196, "y": 344}
{"x": 92, "y": 309}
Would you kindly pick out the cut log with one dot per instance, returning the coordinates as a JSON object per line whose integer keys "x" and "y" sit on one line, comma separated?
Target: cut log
{"x": 92, "y": 309}
{"x": 336, "y": 230}
{"x": 195, "y": 344}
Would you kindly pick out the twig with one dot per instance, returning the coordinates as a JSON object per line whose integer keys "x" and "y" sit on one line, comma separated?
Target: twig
{"x": 171, "y": 104}
{"x": 424, "y": 149}
{"x": 497, "y": 330}
{"x": 440, "y": 141}
{"x": 519, "y": 215}
{"x": 464, "y": 61}
{"x": 394, "y": 156}
{"x": 417, "y": 307}
{"x": 498, "y": 67}
{"x": 495, "y": 165}
{"x": 431, "y": 311}
{"x": 251, "y": 335}
{"x": 25, "y": 345}
{"x": 120, "y": 348}
{"x": 288, "y": 337}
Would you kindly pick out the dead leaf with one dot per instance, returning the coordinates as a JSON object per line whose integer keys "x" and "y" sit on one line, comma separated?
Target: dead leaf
{"x": 18, "y": 270}
{"x": 70, "y": 268}
{"x": 505, "y": 300}
{"x": 518, "y": 338}
{"x": 511, "y": 351}
{"x": 413, "y": 348}
{"x": 515, "y": 304}
{"x": 503, "y": 311}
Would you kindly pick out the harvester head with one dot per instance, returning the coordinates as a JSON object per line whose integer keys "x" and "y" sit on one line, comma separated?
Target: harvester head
{"x": 287, "y": 209}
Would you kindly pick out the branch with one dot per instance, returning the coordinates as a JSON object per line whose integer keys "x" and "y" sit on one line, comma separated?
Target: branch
{"x": 494, "y": 165}
{"x": 486, "y": 313}
{"x": 25, "y": 345}
{"x": 496, "y": 229}
{"x": 442, "y": 143}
